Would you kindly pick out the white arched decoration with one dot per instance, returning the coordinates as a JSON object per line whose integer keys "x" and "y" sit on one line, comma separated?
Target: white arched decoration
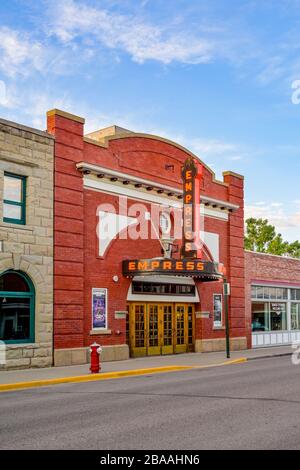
{"x": 109, "y": 226}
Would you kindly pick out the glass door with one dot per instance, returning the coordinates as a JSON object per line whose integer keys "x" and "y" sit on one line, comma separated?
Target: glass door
{"x": 181, "y": 329}
{"x": 191, "y": 328}
{"x": 162, "y": 328}
{"x": 138, "y": 330}
{"x": 154, "y": 333}
{"x": 167, "y": 329}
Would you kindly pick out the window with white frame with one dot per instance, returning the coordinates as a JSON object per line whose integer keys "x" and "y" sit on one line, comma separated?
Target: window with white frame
{"x": 165, "y": 223}
{"x": 295, "y": 309}
{"x": 275, "y": 308}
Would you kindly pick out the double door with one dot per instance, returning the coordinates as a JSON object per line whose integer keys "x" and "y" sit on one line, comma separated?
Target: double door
{"x": 160, "y": 328}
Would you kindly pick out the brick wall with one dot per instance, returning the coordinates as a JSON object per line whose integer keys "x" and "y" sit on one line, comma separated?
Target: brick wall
{"x": 236, "y": 256}
{"x": 68, "y": 231}
{"x": 78, "y": 267}
{"x": 29, "y": 248}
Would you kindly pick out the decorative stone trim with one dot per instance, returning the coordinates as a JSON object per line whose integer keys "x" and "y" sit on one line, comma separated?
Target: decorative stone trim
{"x": 100, "y": 332}
{"x": 202, "y": 314}
{"x": 66, "y": 115}
{"x": 119, "y": 315}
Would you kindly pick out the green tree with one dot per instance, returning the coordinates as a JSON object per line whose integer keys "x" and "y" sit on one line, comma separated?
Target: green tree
{"x": 262, "y": 237}
{"x": 294, "y": 249}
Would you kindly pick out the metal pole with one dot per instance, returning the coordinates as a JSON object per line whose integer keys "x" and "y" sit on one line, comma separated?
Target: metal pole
{"x": 226, "y": 318}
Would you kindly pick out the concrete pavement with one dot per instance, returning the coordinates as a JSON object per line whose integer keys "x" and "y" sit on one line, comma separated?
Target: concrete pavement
{"x": 254, "y": 405}
{"x": 137, "y": 364}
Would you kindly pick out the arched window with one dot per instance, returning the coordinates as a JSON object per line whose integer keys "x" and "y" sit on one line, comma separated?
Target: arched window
{"x": 17, "y": 301}
{"x": 165, "y": 223}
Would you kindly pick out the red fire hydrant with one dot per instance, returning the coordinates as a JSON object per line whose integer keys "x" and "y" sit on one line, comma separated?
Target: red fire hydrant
{"x": 95, "y": 350}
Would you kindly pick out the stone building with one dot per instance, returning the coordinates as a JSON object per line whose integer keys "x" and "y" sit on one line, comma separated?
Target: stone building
{"x": 26, "y": 246}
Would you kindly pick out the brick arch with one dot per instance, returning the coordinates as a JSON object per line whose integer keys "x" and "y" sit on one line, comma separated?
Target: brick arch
{"x": 17, "y": 263}
{"x": 170, "y": 147}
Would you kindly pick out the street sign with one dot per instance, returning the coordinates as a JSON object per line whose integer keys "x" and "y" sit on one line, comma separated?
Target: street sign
{"x": 226, "y": 288}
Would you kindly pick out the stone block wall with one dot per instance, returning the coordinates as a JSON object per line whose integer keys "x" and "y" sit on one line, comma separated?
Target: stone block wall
{"x": 29, "y": 248}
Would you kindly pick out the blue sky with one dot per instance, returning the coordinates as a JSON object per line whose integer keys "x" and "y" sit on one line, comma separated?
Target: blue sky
{"x": 213, "y": 75}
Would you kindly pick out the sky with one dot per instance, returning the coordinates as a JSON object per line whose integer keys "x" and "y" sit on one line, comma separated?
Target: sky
{"x": 220, "y": 77}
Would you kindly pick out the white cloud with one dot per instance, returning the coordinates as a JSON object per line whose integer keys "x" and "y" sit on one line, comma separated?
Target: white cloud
{"x": 3, "y": 95}
{"x": 286, "y": 223}
{"x": 29, "y": 106}
{"x": 213, "y": 147}
{"x": 140, "y": 39}
{"x": 19, "y": 54}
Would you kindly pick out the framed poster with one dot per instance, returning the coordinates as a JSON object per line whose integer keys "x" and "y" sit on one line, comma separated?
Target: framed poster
{"x": 99, "y": 309}
{"x": 218, "y": 310}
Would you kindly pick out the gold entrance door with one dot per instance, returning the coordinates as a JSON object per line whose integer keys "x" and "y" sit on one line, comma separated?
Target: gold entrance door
{"x": 180, "y": 345}
{"x": 190, "y": 328}
{"x": 154, "y": 333}
{"x": 167, "y": 333}
{"x": 163, "y": 328}
{"x": 137, "y": 324}
{"x": 184, "y": 328}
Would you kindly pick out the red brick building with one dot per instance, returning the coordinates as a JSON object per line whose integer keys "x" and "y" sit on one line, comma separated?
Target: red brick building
{"x": 272, "y": 299}
{"x": 109, "y": 186}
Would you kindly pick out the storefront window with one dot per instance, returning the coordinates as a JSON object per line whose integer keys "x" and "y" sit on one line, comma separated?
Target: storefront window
{"x": 295, "y": 294}
{"x": 139, "y": 287}
{"x": 278, "y": 316}
{"x": 269, "y": 293}
{"x": 269, "y": 316}
{"x": 16, "y": 308}
{"x": 295, "y": 316}
{"x": 260, "y": 317}
{"x": 278, "y": 311}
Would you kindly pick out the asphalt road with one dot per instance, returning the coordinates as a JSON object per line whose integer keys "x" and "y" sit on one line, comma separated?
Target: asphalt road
{"x": 255, "y": 405}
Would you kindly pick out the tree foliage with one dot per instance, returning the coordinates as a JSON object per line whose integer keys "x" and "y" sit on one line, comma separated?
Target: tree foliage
{"x": 262, "y": 237}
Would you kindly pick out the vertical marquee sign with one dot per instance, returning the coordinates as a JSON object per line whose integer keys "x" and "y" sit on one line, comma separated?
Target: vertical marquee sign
{"x": 192, "y": 173}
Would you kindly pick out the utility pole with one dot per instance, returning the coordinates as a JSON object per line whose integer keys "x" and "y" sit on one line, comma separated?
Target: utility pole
{"x": 226, "y": 291}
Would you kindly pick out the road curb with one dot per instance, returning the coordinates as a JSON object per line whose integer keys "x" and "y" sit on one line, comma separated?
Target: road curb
{"x": 109, "y": 375}
{"x": 269, "y": 356}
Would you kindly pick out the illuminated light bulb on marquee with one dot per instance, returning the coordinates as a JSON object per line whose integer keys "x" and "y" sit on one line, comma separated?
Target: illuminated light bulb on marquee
{"x": 192, "y": 173}
{"x": 191, "y": 263}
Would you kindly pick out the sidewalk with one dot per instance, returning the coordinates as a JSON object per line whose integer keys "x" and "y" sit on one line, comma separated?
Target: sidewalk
{"x": 141, "y": 364}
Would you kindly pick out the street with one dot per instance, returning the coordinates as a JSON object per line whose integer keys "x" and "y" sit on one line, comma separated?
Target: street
{"x": 255, "y": 405}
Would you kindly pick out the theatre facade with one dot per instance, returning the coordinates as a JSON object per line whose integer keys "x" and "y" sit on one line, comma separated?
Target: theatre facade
{"x": 128, "y": 240}
{"x": 139, "y": 264}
